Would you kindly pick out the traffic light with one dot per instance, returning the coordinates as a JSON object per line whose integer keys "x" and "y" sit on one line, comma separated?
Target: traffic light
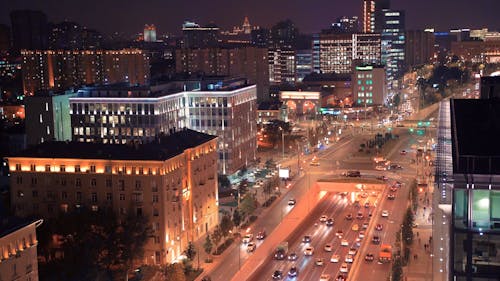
{"x": 411, "y": 130}
{"x": 420, "y": 124}
{"x": 420, "y": 132}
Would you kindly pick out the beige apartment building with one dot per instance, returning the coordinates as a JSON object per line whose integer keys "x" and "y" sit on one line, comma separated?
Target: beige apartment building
{"x": 18, "y": 257}
{"x": 172, "y": 181}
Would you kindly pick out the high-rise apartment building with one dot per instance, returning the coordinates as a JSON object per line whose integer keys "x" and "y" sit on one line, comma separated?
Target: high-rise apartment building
{"x": 120, "y": 114}
{"x": 63, "y": 69}
{"x": 304, "y": 64}
{"x": 346, "y": 25}
{"x": 5, "y": 42}
{"x": 282, "y": 66}
{"x": 72, "y": 36}
{"x": 249, "y": 62}
{"x": 29, "y": 30}
{"x": 196, "y": 36}
{"x": 391, "y": 25}
{"x": 47, "y": 117}
{"x": 340, "y": 52}
{"x": 172, "y": 182}
{"x": 370, "y": 9}
{"x": 419, "y": 47}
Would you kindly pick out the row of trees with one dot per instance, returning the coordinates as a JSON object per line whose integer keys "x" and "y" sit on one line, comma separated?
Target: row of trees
{"x": 90, "y": 245}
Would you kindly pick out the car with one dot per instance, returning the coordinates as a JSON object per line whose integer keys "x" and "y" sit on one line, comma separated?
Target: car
{"x": 323, "y": 218}
{"x": 353, "y": 251}
{"x": 206, "y": 278}
{"x": 403, "y": 152}
{"x": 292, "y": 256}
{"x": 376, "y": 239}
{"x": 353, "y": 174}
{"x": 277, "y": 275}
{"x": 348, "y": 217}
{"x": 329, "y": 222}
{"x": 349, "y": 259}
{"x": 319, "y": 262}
{"x": 379, "y": 159}
{"x": 341, "y": 277}
{"x": 247, "y": 238}
{"x": 344, "y": 268}
{"x": 380, "y": 168}
{"x": 324, "y": 277}
{"x": 360, "y": 216}
{"x": 293, "y": 272}
{"x": 355, "y": 227}
{"x": 344, "y": 242}
{"x": 367, "y": 205}
{"x": 365, "y": 225}
{"x": 309, "y": 251}
{"x": 394, "y": 167}
{"x": 306, "y": 239}
{"x": 339, "y": 233}
{"x": 379, "y": 227}
{"x": 394, "y": 189}
{"x": 385, "y": 213}
{"x": 261, "y": 235}
{"x": 397, "y": 184}
{"x": 383, "y": 178}
{"x": 335, "y": 258}
{"x": 361, "y": 234}
{"x": 251, "y": 247}
{"x": 291, "y": 202}
{"x": 369, "y": 257}
{"x": 328, "y": 247}
{"x": 357, "y": 243}
{"x": 391, "y": 196}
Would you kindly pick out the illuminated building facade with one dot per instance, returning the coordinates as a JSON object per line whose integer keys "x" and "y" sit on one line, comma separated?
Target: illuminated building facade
{"x": 47, "y": 117}
{"x": 369, "y": 85}
{"x": 391, "y": 25}
{"x": 370, "y": 9}
{"x": 149, "y": 33}
{"x": 474, "y": 230}
{"x": 172, "y": 182}
{"x": 340, "y": 52}
{"x": 18, "y": 255}
{"x": 60, "y": 70}
{"x": 282, "y": 66}
{"x": 120, "y": 115}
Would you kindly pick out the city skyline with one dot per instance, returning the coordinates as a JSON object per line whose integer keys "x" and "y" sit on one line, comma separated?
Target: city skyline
{"x": 309, "y": 18}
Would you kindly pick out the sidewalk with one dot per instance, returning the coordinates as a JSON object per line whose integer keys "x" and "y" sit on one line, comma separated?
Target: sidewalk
{"x": 420, "y": 264}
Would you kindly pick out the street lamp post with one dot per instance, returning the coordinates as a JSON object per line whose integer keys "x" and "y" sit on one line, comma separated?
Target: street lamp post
{"x": 282, "y": 142}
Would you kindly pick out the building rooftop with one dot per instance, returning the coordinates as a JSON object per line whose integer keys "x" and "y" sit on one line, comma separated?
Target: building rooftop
{"x": 475, "y": 136}
{"x": 163, "y": 148}
{"x": 321, "y": 77}
{"x": 11, "y": 224}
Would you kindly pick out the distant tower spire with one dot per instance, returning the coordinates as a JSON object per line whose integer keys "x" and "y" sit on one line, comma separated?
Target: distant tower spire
{"x": 247, "y": 28}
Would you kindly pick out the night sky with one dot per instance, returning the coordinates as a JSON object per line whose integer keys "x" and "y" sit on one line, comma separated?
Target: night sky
{"x": 129, "y": 16}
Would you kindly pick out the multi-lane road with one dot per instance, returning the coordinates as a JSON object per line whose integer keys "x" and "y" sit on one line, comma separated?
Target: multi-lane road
{"x": 333, "y": 161}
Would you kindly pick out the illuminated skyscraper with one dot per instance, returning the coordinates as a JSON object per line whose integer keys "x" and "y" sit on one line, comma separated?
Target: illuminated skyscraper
{"x": 370, "y": 8}
{"x": 149, "y": 33}
{"x": 247, "y": 28}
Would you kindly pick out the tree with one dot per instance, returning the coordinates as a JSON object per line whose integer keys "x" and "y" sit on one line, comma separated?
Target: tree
{"x": 190, "y": 251}
{"x": 236, "y": 218}
{"x": 217, "y": 235}
{"x": 224, "y": 181}
{"x": 248, "y": 204}
{"x": 397, "y": 270}
{"x": 208, "y": 245}
{"x": 407, "y": 228}
{"x": 175, "y": 272}
{"x": 396, "y": 100}
{"x": 225, "y": 225}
